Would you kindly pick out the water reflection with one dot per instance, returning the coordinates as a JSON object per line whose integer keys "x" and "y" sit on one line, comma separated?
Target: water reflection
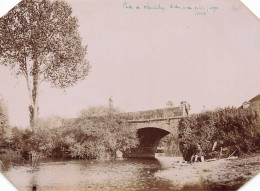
{"x": 75, "y": 175}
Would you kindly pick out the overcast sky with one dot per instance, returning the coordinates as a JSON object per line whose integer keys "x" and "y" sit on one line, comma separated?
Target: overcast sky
{"x": 144, "y": 58}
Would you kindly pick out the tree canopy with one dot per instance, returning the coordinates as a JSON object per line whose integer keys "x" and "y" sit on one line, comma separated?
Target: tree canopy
{"x": 39, "y": 39}
{"x": 98, "y": 111}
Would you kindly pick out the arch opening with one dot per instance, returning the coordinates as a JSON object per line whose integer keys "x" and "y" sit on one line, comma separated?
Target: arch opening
{"x": 149, "y": 138}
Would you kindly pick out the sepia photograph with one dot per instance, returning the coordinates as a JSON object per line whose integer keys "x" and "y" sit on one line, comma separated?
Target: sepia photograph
{"x": 129, "y": 95}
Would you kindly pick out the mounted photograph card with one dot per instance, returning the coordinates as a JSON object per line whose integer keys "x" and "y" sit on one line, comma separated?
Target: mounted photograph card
{"x": 129, "y": 95}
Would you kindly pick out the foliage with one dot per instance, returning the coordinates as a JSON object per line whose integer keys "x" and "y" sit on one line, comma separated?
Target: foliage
{"x": 170, "y": 145}
{"x": 169, "y": 104}
{"x": 96, "y": 137}
{"x": 88, "y": 138}
{"x": 39, "y": 40}
{"x": 3, "y": 120}
{"x": 3, "y": 113}
{"x": 235, "y": 129}
{"x": 97, "y": 111}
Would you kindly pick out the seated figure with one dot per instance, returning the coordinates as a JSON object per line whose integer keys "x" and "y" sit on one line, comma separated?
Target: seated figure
{"x": 198, "y": 155}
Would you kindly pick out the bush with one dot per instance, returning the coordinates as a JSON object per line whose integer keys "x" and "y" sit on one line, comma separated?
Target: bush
{"x": 86, "y": 137}
{"x": 170, "y": 144}
{"x": 100, "y": 137}
{"x": 89, "y": 136}
{"x": 3, "y": 121}
{"x": 235, "y": 129}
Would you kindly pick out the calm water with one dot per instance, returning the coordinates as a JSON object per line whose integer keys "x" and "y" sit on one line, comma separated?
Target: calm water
{"x": 79, "y": 175}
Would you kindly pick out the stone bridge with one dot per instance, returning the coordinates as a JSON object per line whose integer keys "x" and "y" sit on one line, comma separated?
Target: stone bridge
{"x": 152, "y": 126}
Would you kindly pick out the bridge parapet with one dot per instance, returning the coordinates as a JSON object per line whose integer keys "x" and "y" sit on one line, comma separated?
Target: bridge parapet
{"x": 165, "y": 113}
{"x": 167, "y": 120}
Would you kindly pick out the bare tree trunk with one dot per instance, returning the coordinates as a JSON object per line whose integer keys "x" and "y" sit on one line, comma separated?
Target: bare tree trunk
{"x": 34, "y": 107}
{"x": 31, "y": 110}
{"x": 34, "y": 113}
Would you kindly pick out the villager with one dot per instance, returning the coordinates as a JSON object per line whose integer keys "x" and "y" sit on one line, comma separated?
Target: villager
{"x": 198, "y": 155}
{"x": 220, "y": 153}
{"x": 192, "y": 158}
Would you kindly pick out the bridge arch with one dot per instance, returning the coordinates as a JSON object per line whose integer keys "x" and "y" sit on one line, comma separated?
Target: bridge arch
{"x": 150, "y": 134}
{"x": 149, "y": 138}
{"x": 164, "y": 125}
{"x": 151, "y": 126}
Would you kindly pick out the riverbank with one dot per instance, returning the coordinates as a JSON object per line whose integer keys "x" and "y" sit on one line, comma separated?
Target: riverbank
{"x": 221, "y": 174}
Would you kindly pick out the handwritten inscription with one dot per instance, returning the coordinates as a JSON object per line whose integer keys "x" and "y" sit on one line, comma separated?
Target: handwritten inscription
{"x": 145, "y": 6}
{"x": 155, "y": 6}
{"x": 196, "y": 10}
{"x": 235, "y": 8}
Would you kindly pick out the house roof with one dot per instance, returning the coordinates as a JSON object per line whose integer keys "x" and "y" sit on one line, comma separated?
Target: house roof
{"x": 256, "y": 98}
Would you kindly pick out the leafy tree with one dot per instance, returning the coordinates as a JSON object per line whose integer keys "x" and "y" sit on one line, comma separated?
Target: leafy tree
{"x": 169, "y": 104}
{"x": 39, "y": 40}
{"x": 96, "y": 137}
{"x": 50, "y": 122}
{"x": 100, "y": 137}
{"x": 97, "y": 111}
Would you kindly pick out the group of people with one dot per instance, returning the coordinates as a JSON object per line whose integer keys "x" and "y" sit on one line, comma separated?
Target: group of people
{"x": 198, "y": 155}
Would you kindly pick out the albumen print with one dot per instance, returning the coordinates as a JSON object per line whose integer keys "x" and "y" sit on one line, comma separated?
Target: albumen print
{"x": 129, "y": 95}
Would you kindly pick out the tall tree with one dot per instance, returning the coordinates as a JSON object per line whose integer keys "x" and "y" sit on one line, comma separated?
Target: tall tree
{"x": 39, "y": 40}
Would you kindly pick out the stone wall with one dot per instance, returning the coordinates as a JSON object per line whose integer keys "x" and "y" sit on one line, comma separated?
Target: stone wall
{"x": 153, "y": 114}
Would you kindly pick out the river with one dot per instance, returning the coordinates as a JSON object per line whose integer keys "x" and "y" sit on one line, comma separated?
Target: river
{"x": 82, "y": 175}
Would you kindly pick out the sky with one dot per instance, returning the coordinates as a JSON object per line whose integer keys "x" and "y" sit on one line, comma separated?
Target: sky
{"x": 145, "y": 57}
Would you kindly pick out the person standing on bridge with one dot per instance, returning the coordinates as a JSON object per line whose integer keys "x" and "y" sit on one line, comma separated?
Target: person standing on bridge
{"x": 110, "y": 105}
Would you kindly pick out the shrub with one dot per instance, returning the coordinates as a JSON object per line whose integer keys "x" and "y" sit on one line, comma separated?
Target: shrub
{"x": 3, "y": 121}
{"x": 96, "y": 137}
{"x": 236, "y": 129}
{"x": 171, "y": 145}
{"x": 86, "y": 137}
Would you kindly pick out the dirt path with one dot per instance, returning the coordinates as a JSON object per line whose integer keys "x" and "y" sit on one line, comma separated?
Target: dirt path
{"x": 215, "y": 175}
